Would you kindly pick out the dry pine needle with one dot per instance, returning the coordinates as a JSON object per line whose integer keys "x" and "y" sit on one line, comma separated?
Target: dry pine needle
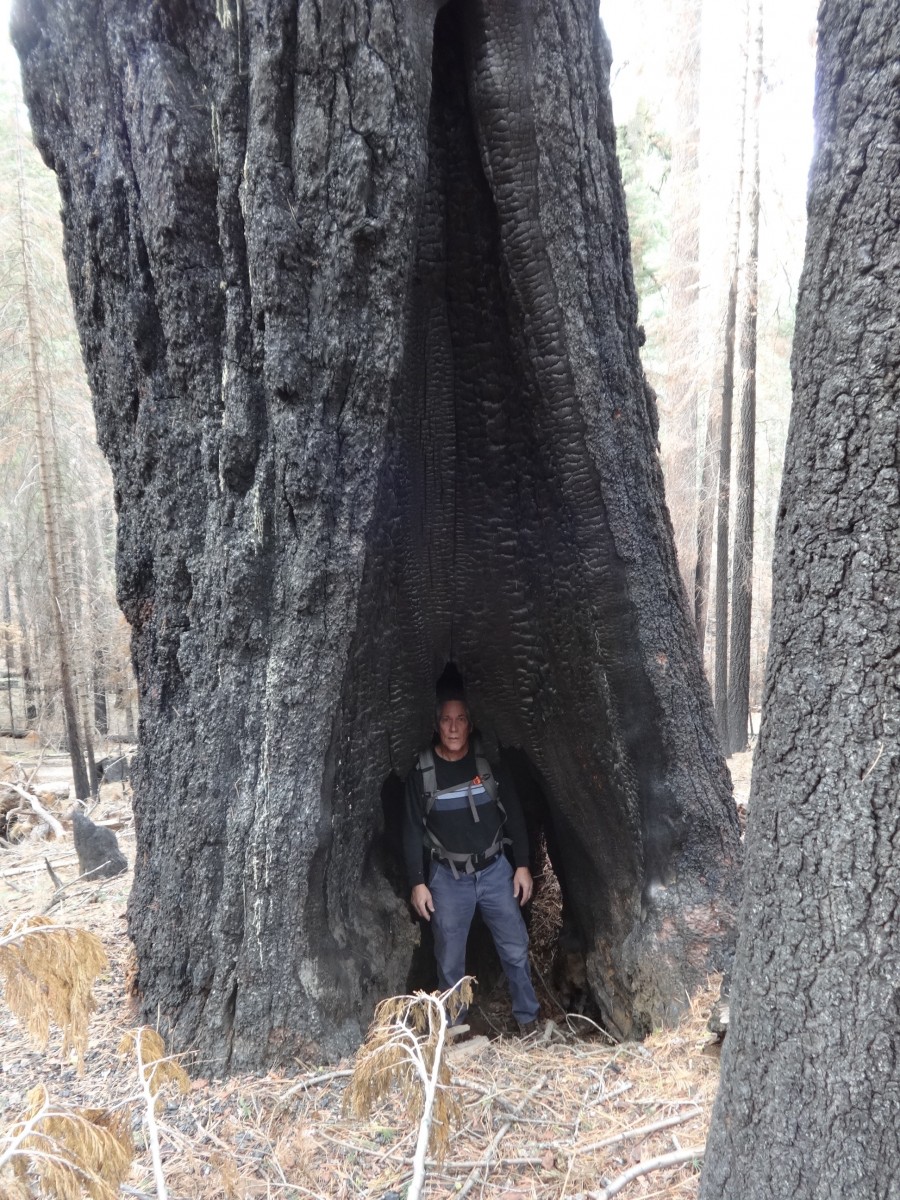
{"x": 47, "y": 972}
{"x": 69, "y": 1152}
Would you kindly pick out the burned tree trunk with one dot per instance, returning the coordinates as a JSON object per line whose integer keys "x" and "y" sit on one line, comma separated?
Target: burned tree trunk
{"x": 355, "y": 296}
{"x": 808, "y": 1105}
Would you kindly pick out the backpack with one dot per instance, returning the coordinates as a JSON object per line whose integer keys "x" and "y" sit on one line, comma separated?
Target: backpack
{"x": 485, "y": 779}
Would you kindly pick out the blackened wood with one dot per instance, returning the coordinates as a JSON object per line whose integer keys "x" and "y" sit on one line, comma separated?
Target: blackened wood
{"x": 355, "y": 297}
{"x": 808, "y": 1105}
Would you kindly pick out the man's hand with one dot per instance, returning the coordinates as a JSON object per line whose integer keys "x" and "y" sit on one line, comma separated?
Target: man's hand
{"x": 423, "y": 903}
{"x": 523, "y": 885}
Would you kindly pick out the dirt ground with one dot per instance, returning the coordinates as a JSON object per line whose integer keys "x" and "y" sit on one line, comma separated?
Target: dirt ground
{"x": 563, "y": 1114}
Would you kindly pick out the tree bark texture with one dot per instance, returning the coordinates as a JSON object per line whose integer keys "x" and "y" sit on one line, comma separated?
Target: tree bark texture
{"x": 354, "y": 291}
{"x": 745, "y": 468}
{"x": 809, "y": 1103}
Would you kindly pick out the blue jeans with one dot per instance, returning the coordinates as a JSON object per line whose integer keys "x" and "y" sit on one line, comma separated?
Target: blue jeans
{"x": 455, "y": 901}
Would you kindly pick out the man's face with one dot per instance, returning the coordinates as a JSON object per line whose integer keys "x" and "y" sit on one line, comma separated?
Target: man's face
{"x": 454, "y": 727}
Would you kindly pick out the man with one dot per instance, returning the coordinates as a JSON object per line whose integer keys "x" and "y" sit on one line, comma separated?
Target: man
{"x": 463, "y": 816}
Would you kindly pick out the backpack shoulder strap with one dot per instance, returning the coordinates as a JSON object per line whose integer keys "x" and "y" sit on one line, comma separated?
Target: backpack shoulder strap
{"x": 489, "y": 779}
{"x": 425, "y": 764}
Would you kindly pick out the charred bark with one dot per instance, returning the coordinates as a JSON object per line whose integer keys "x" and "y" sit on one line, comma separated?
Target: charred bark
{"x": 808, "y": 1105}
{"x": 355, "y": 297}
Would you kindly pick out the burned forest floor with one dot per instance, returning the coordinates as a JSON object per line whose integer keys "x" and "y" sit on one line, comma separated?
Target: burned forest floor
{"x": 564, "y": 1113}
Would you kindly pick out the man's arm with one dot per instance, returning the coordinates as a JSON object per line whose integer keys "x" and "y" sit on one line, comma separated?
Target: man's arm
{"x": 412, "y": 848}
{"x": 517, "y": 832}
{"x": 516, "y": 829}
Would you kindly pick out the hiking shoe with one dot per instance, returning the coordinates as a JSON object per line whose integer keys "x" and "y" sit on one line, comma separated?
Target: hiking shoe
{"x": 527, "y": 1028}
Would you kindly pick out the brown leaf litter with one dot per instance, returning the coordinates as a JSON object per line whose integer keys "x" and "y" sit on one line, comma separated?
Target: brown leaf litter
{"x": 550, "y": 1116}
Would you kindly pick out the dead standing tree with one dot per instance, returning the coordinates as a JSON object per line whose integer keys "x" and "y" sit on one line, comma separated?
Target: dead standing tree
{"x": 745, "y": 468}
{"x": 40, "y": 400}
{"x": 683, "y": 372}
{"x": 808, "y": 1103}
{"x": 713, "y": 503}
{"x": 354, "y": 291}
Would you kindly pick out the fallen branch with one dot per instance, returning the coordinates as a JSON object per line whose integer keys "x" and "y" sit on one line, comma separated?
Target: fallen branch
{"x": 616, "y": 1090}
{"x": 150, "y": 1117}
{"x": 30, "y": 868}
{"x": 306, "y": 1083}
{"x": 485, "y": 1163}
{"x": 302, "y": 1086}
{"x": 62, "y": 888}
{"x": 675, "y": 1159}
{"x": 640, "y": 1131}
{"x": 405, "y": 1045}
{"x": 57, "y": 882}
{"x": 570, "y": 1016}
{"x": 39, "y": 809}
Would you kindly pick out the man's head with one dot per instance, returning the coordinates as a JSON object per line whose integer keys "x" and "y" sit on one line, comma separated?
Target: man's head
{"x": 453, "y": 722}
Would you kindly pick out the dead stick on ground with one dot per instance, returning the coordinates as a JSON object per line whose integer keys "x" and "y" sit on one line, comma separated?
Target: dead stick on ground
{"x": 302, "y": 1086}
{"x": 640, "y": 1131}
{"x": 485, "y": 1163}
{"x": 39, "y": 809}
{"x": 150, "y": 1120}
{"x": 305, "y": 1083}
{"x": 675, "y": 1159}
{"x": 62, "y": 888}
{"x": 612, "y": 1140}
{"x": 626, "y": 1135}
{"x": 57, "y": 882}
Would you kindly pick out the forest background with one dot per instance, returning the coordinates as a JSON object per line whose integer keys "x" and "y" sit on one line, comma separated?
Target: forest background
{"x": 680, "y": 92}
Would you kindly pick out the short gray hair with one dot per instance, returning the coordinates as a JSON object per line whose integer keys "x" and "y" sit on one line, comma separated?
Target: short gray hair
{"x": 439, "y": 704}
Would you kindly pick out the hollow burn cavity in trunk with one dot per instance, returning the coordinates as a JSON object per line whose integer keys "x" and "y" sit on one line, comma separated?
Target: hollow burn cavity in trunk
{"x": 478, "y": 554}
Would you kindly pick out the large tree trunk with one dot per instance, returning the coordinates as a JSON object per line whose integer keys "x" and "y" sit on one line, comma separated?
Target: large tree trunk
{"x": 808, "y": 1106}
{"x": 355, "y": 297}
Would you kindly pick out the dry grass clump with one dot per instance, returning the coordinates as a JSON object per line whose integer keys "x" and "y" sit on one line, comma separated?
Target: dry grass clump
{"x": 154, "y": 1066}
{"x": 67, "y": 1152}
{"x": 551, "y": 1117}
{"x": 404, "y": 1049}
{"x": 405, "y": 1046}
{"x": 47, "y": 972}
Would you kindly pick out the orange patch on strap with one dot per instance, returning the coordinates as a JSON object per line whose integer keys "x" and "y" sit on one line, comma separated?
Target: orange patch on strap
{"x": 477, "y": 779}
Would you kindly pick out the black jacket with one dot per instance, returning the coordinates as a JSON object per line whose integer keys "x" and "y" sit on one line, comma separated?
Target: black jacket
{"x": 456, "y": 829}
